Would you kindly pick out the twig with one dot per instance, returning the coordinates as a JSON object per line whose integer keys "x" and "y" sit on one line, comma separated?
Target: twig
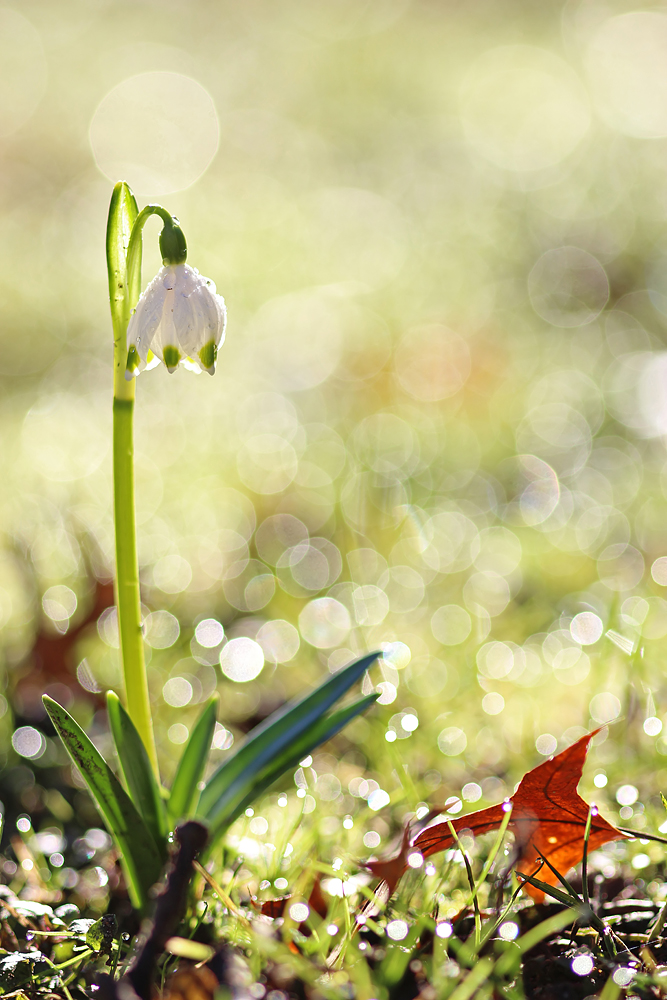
{"x": 169, "y": 909}
{"x": 170, "y": 906}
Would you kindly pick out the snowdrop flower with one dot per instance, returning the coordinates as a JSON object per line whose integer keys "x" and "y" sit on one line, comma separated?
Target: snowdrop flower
{"x": 179, "y": 317}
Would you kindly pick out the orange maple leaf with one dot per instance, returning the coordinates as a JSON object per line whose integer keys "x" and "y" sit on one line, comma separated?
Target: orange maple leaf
{"x": 548, "y": 817}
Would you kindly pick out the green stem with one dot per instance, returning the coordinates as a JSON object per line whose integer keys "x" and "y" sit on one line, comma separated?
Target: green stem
{"x": 127, "y": 576}
{"x": 123, "y": 294}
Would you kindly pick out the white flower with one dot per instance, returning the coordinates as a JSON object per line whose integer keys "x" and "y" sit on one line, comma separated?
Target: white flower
{"x": 179, "y": 318}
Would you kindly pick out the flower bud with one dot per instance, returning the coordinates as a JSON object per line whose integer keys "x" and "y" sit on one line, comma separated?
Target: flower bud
{"x": 173, "y": 247}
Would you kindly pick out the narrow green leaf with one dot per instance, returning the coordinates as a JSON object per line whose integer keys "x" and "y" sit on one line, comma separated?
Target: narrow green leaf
{"x": 274, "y": 735}
{"x": 243, "y": 793}
{"x": 190, "y": 771}
{"x": 139, "y": 854}
{"x": 137, "y": 771}
{"x": 550, "y": 890}
{"x": 123, "y": 211}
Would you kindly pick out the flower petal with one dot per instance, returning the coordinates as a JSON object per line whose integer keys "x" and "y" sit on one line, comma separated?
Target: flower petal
{"x": 165, "y": 342}
{"x": 179, "y": 316}
{"x": 146, "y": 317}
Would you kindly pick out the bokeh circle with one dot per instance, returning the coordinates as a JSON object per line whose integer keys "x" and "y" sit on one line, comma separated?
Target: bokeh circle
{"x": 159, "y": 131}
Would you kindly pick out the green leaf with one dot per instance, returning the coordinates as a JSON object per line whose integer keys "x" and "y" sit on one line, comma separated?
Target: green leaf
{"x": 550, "y": 890}
{"x": 100, "y": 936}
{"x": 232, "y": 805}
{"x": 184, "y": 790}
{"x": 139, "y": 854}
{"x": 123, "y": 211}
{"x": 270, "y": 739}
{"x": 137, "y": 771}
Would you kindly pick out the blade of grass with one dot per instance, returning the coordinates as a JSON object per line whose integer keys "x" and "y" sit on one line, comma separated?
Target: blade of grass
{"x": 399, "y": 953}
{"x": 272, "y": 737}
{"x": 550, "y": 890}
{"x": 561, "y": 878}
{"x": 139, "y": 855}
{"x": 608, "y": 934}
{"x": 642, "y": 835}
{"x": 137, "y": 772}
{"x": 658, "y": 925}
{"x": 610, "y": 990}
{"x": 493, "y": 924}
{"x": 490, "y": 926}
{"x": 536, "y": 934}
{"x": 221, "y": 894}
{"x": 471, "y": 883}
{"x": 478, "y": 975}
{"x": 592, "y": 811}
{"x": 185, "y": 790}
{"x": 572, "y": 900}
{"x": 492, "y": 853}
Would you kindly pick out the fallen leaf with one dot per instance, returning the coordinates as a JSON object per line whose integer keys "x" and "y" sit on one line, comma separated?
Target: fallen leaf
{"x": 548, "y": 817}
{"x": 391, "y": 870}
{"x": 191, "y": 982}
{"x": 316, "y": 901}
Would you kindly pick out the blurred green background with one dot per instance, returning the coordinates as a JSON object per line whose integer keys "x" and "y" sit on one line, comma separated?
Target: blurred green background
{"x": 437, "y": 425}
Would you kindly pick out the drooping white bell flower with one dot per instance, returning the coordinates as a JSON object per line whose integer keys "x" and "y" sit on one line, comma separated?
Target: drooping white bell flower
{"x": 179, "y": 319}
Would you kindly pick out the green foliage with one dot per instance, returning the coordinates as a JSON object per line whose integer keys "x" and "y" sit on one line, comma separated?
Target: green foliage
{"x": 137, "y": 771}
{"x": 101, "y": 933}
{"x": 247, "y": 788}
{"x": 268, "y": 749}
{"x": 19, "y": 968}
{"x": 185, "y": 791}
{"x": 138, "y": 821}
{"x": 123, "y": 212}
{"x": 139, "y": 853}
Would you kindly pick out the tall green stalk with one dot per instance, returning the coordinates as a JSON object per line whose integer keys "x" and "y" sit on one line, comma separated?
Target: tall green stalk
{"x": 123, "y": 295}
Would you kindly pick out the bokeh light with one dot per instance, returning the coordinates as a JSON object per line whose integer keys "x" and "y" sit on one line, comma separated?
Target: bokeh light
{"x": 624, "y": 60}
{"x": 523, "y": 108}
{"x": 23, "y": 70}
{"x": 242, "y": 659}
{"x": 28, "y": 742}
{"x": 158, "y": 130}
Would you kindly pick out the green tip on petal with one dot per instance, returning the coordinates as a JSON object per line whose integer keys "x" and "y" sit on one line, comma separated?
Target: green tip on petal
{"x": 171, "y": 356}
{"x": 207, "y": 356}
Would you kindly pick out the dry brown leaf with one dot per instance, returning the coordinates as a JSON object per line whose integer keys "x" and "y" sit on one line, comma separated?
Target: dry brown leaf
{"x": 391, "y": 870}
{"x": 190, "y": 982}
{"x": 548, "y": 817}
{"x": 316, "y": 901}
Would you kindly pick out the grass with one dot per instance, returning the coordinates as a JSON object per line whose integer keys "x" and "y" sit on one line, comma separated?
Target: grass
{"x": 350, "y": 942}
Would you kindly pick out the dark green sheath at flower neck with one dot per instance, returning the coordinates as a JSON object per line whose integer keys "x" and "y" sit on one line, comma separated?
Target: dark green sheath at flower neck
{"x": 173, "y": 248}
